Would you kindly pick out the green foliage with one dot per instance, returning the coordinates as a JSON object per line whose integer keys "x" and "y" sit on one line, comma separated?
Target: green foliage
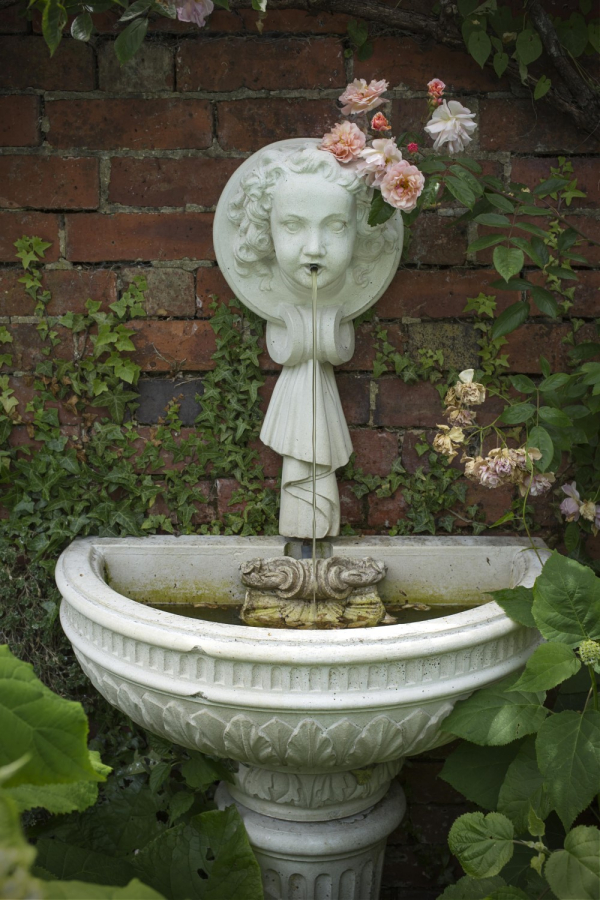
{"x": 358, "y": 37}
{"x": 551, "y": 760}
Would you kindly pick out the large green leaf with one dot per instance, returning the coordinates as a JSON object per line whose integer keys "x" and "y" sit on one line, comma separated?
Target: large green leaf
{"x": 54, "y": 18}
{"x": 482, "y": 844}
{"x": 568, "y": 753}
{"x": 523, "y": 788}
{"x": 516, "y": 603}
{"x": 496, "y": 715}
{"x": 548, "y": 665}
{"x": 566, "y": 601}
{"x": 468, "y": 888}
{"x": 208, "y": 859}
{"x": 574, "y": 873}
{"x": 68, "y": 862}
{"x": 529, "y": 46}
{"x": 130, "y": 39}
{"x": 80, "y": 890}
{"x": 517, "y": 413}
{"x": 60, "y": 798}
{"x": 479, "y": 46}
{"x": 479, "y": 772}
{"x": 36, "y": 723}
{"x": 380, "y": 211}
{"x": 513, "y": 316}
{"x": 538, "y": 437}
{"x": 508, "y": 261}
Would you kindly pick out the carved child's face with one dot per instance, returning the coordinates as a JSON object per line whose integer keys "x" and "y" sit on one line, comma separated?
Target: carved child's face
{"x": 313, "y": 223}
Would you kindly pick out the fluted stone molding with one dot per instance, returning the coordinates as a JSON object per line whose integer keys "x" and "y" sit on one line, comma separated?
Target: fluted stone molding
{"x": 319, "y": 721}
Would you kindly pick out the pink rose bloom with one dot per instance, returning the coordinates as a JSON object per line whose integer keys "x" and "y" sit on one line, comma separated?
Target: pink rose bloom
{"x": 412, "y": 147}
{"x": 194, "y": 11}
{"x": 536, "y": 484}
{"x": 345, "y": 141}
{"x": 436, "y": 88}
{"x": 402, "y": 184}
{"x": 374, "y": 160}
{"x": 488, "y": 478}
{"x": 502, "y": 466}
{"x": 380, "y": 123}
{"x": 451, "y": 124}
{"x": 570, "y": 507}
{"x": 362, "y": 97}
{"x": 597, "y": 516}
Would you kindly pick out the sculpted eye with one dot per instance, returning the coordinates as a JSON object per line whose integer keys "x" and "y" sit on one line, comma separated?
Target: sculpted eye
{"x": 292, "y": 225}
{"x": 337, "y": 226}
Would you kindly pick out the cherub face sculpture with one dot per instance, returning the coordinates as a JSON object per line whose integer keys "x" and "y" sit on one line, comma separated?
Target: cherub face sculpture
{"x": 313, "y": 228}
{"x": 292, "y": 206}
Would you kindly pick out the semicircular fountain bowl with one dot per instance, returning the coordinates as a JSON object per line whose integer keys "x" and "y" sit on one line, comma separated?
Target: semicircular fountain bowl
{"x": 300, "y": 711}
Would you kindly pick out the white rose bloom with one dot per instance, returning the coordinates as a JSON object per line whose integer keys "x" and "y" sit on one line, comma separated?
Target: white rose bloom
{"x": 382, "y": 153}
{"x": 451, "y": 124}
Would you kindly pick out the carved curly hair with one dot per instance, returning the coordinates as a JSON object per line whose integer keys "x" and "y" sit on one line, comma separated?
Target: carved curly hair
{"x": 250, "y": 210}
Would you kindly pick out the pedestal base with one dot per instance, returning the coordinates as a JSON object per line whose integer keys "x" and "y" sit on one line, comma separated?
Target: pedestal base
{"x": 336, "y": 860}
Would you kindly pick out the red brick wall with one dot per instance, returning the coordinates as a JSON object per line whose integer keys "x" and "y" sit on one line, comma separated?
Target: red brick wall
{"x": 121, "y": 169}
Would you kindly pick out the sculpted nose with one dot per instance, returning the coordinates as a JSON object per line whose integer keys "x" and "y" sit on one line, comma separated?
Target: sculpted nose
{"x": 314, "y": 245}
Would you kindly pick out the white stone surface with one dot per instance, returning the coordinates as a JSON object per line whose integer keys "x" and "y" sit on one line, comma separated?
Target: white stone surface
{"x": 301, "y": 711}
{"x": 288, "y": 208}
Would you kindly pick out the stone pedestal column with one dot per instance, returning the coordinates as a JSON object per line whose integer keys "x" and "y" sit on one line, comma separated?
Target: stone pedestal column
{"x": 332, "y": 851}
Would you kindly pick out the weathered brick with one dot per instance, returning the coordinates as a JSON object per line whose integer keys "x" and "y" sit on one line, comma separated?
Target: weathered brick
{"x": 13, "y": 20}
{"x": 157, "y": 124}
{"x": 27, "y": 345}
{"x": 250, "y": 124}
{"x": 385, "y": 511}
{"x": 157, "y": 393}
{"x": 354, "y": 393}
{"x": 49, "y": 182}
{"x": 531, "y": 171}
{"x": 351, "y": 507}
{"x": 590, "y": 228}
{"x": 151, "y": 69}
{"x": 26, "y": 63}
{"x": 173, "y": 345}
{"x": 295, "y": 21}
{"x": 95, "y": 237}
{"x": 366, "y": 346}
{"x": 438, "y": 293}
{"x": 516, "y": 125}
{"x": 70, "y": 288}
{"x": 268, "y": 459}
{"x": 19, "y": 126}
{"x": 169, "y": 182}
{"x": 170, "y": 292}
{"x": 587, "y": 294}
{"x": 226, "y": 487}
{"x": 527, "y": 343}
{"x": 13, "y": 225}
{"x": 210, "y": 283}
{"x": 24, "y": 392}
{"x": 405, "y": 62}
{"x": 407, "y": 405}
{"x": 457, "y": 341}
{"x": 375, "y": 450}
{"x": 494, "y": 502}
{"x": 437, "y": 240}
{"x": 259, "y": 64}
{"x": 410, "y": 115}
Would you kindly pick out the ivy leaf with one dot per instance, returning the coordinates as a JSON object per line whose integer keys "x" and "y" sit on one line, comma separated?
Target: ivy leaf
{"x": 82, "y": 27}
{"x": 380, "y": 210}
{"x": 482, "y": 844}
{"x": 510, "y": 319}
{"x": 542, "y": 87}
{"x": 479, "y": 772}
{"x": 568, "y": 753}
{"x": 500, "y": 63}
{"x": 479, "y": 46}
{"x": 130, "y": 40}
{"x": 508, "y": 261}
{"x": 529, "y": 46}
{"x": 548, "y": 665}
{"x": 495, "y": 715}
{"x": 574, "y": 873}
{"x": 566, "y": 604}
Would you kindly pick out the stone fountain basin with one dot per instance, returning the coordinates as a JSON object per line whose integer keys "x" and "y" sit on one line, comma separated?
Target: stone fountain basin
{"x": 301, "y": 701}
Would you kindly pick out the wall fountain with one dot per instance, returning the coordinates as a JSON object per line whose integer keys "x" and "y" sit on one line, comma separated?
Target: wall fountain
{"x": 317, "y": 692}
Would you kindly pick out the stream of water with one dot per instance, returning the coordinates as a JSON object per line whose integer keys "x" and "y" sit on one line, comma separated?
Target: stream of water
{"x": 313, "y": 611}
